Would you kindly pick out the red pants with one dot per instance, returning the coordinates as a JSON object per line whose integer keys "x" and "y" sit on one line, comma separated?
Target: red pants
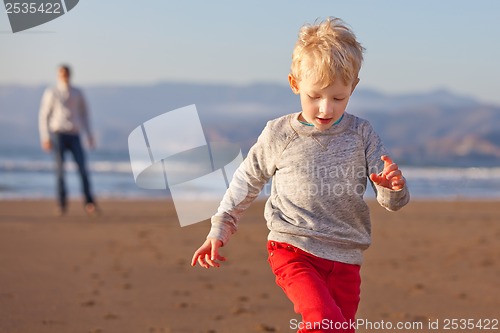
{"x": 324, "y": 292}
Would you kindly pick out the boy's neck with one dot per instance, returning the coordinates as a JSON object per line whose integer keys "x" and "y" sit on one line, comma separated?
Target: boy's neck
{"x": 303, "y": 122}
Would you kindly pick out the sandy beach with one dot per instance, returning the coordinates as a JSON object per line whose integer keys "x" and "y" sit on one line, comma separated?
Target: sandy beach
{"x": 128, "y": 270}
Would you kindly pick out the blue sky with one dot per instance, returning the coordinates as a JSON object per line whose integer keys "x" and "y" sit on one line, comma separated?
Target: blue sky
{"x": 412, "y": 46}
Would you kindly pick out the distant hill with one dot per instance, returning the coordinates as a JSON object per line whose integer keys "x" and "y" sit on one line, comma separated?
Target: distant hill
{"x": 435, "y": 128}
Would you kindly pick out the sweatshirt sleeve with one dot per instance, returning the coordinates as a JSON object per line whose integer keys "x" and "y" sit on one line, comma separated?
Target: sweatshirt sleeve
{"x": 391, "y": 200}
{"x": 248, "y": 180}
{"x": 44, "y": 115}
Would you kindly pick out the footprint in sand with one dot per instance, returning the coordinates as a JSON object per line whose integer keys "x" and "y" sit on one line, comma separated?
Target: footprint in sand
{"x": 181, "y": 305}
{"x": 110, "y": 316}
{"x": 89, "y": 303}
{"x": 243, "y": 299}
{"x": 182, "y": 262}
{"x": 6, "y": 295}
{"x": 181, "y": 293}
{"x": 266, "y": 328}
{"x": 487, "y": 262}
{"x": 159, "y": 256}
{"x": 126, "y": 274}
{"x": 117, "y": 265}
{"x": 52, "y": 322}
{"x": 127, "y": 286}
{"x": 417, "y": 288}
{"x": 144, "y": 233}
{"x": 158, "y": 330}
{"x": 241, "y": 309}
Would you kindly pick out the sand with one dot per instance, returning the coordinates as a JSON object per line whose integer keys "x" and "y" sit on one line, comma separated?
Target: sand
{"x": 128, "y": 270}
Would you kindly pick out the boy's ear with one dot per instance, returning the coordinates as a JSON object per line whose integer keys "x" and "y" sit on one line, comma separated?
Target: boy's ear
{"x": 354, "y": 84}
{"x": 293, "y": 83}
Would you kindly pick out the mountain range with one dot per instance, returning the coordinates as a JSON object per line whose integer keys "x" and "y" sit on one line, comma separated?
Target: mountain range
{"x": 433, "y": 128}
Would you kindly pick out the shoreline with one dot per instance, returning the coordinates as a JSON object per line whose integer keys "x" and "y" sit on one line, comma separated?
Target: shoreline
{"x": 128, "y": 269}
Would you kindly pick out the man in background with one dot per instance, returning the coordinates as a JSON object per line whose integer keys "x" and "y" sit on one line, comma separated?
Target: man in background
{"x": 63, "y": 117}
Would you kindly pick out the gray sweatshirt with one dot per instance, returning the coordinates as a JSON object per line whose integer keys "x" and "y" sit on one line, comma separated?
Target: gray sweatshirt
{"x": 318, "y": 182}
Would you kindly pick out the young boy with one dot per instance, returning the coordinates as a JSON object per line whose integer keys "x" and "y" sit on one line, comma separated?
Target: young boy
{"x": 319, "y": 160}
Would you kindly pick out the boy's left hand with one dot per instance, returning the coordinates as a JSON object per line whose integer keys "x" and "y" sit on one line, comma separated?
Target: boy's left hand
{"x": 391, "y": 177}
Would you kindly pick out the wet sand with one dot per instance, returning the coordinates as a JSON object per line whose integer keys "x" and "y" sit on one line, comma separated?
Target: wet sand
{"x": 128, "y": 270}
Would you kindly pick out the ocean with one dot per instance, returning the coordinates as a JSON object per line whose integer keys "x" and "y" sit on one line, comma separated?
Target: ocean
{"x": 29, "y": 174}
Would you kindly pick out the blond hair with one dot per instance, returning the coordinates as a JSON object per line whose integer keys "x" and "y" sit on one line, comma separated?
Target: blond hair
{"x": 325, "y": 51}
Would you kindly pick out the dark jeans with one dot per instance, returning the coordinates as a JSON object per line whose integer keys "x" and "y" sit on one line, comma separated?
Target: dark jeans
{"x": 61, "y": 143}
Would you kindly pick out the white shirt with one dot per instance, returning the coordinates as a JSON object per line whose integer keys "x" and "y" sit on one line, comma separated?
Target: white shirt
{"x": 63, "y": 110}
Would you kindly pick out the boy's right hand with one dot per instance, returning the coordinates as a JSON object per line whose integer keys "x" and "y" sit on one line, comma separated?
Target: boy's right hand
{"x": 208, "y": 253}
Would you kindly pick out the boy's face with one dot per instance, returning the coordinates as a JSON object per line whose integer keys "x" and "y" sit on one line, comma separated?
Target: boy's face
{"x": 322, "y": 107}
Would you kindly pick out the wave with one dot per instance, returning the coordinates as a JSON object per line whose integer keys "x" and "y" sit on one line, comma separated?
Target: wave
{"x": 442, "y": 173}
{"x": 48, "y": 166}
{"x": 102, "y": 166}
{"x": 25, "y": 178}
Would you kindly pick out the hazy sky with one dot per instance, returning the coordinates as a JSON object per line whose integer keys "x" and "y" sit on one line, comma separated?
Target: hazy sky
{"x": 411, "y": 45}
